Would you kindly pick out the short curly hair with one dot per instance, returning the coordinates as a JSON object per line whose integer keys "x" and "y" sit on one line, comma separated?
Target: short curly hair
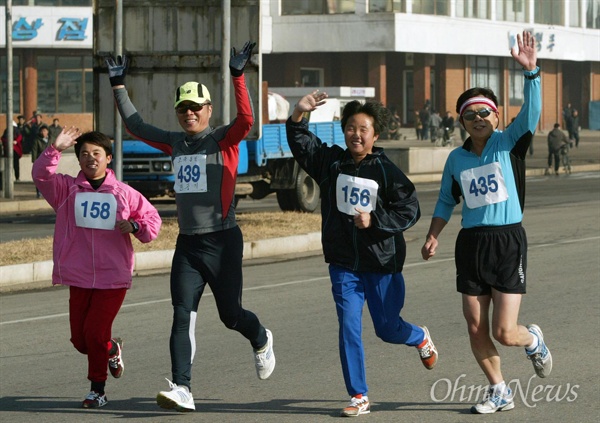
{"x": 375, "y": 109}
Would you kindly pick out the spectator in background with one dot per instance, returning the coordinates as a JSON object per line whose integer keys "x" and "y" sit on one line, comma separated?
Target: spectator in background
{"x": 556, "y": 139}
{"x": 424, "y": 116}
{"x": 39, "y": 145}
{"x": 31, "y": 132}
{"x": 435, "y": 123}
{"x": 54, "y": 130}
{"x": 573, "y": 127}
{"x": 566, "y": 114}
{"x": 21, "y": 124}
{"x": 448, "y": 125}
{"x": 17, "y": 148}
{"x": 418, "y": 126}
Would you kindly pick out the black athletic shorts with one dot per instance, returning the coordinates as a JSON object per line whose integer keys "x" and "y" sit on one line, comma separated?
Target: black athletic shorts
{"x": 491, "y": 257}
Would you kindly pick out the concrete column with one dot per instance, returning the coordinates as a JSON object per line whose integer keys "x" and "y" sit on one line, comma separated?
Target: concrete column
{"x": 30, "y": 80}
{"x": 377, "y": 76}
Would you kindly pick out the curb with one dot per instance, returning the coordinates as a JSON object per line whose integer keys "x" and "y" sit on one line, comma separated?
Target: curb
{"x": 18, "y": 276}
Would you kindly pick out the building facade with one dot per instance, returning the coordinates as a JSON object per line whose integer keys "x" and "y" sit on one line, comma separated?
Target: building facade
{"x": 413, "y": 51}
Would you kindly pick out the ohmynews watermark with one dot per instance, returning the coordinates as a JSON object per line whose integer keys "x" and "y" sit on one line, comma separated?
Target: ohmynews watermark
{"x": 445, "y": 390}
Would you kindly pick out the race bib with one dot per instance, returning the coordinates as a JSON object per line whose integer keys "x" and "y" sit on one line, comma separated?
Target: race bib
{"x": 95, "y": 210}
{"x": 354, "y": 193}
{"x": 483, "y": 185}
{"x": 190, "y": 173}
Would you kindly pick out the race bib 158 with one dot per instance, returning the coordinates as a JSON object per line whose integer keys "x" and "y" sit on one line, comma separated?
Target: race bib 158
{"x": 95, "y": 210}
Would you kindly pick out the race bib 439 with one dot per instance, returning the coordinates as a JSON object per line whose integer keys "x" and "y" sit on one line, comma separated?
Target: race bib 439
{"x": 190, "y": 173}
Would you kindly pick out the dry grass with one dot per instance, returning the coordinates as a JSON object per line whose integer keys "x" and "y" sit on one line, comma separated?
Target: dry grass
{"x": 255, "y": 226}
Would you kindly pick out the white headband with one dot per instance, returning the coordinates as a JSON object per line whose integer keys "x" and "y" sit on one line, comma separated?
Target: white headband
{"x": 477, "y": 100}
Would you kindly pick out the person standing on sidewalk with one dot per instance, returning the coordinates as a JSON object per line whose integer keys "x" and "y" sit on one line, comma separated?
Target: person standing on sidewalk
{"x": 210, "y": 243}
{"x": 367, "y": 203}
{"x": 92, "y": 252}
{"x": 491, "y": 248}
{"x": 556, "y": 139}
{"x": 38, "y": 147}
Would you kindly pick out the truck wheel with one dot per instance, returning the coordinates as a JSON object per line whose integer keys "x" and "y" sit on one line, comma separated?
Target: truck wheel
{"x": 306, "y": 194}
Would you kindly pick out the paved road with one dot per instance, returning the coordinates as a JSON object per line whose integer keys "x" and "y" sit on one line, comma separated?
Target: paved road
{"x": 43, "y": 378}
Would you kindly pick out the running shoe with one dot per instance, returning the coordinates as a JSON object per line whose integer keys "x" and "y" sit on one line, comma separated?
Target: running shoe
{"x": 94, "y": 400}
{"x": 115, "y": 359}
{"x": 179, "y": 398}
{"x": 357, "y": 407}
{"x": 493, "y": 401}
{"x": 541, "y": 357}
{"x": 264, "y": 359}
{"x": 427, "y": 350}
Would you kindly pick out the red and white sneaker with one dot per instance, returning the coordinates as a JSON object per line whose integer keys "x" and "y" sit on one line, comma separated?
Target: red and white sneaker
{"x": 94, "y": 400}
{"x": 115, "y": 359}
{"x": 427, "y": 351}
{"x": 357, "y": 407}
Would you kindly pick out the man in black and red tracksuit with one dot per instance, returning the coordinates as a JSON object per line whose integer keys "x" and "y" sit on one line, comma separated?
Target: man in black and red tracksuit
{"x": 210, "y": 244}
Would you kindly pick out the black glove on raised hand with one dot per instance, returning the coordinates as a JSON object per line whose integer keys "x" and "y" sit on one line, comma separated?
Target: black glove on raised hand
{"x": 117, "y": 70}
{"x": 238, "y": 61}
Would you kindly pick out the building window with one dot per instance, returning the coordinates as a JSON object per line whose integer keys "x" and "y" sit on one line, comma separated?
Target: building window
{"x": 387, "y": 6}
{"x": 15, "y": 88}
{"x": 515, "y": 84}
{"x": 472, "y": 9}
{"x": 575, "y": 13}
{"x": 592, "y": 14}
{"x": 485, "y": 72}
{"x": 431, "y": 7}
{"x": 317, "y": 7}
{"x": 311, "y": 77}
{"x": 511, "y": 11}
{"x": 65, "y": 84}
{"x": 547, "y": 14}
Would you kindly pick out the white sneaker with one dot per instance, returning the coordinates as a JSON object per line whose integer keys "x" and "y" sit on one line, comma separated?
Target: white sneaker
{"x": 264, "y": 359}
{"x": 541, "y": 357}
{"x": 357, "y": 407}
{"x": 178, "y": 398}
{"x": 493, "y": 401}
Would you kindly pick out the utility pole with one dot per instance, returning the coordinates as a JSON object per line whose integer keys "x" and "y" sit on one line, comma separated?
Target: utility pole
{"x": 8, "y": 166}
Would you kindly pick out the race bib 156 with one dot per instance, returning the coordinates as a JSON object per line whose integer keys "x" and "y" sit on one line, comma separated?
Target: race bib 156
{"x": 353, "y": 192}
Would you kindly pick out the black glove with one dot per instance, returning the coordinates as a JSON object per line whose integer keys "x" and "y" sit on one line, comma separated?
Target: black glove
{"x": 117, "y": 70}
{"x": 238, "y": 61}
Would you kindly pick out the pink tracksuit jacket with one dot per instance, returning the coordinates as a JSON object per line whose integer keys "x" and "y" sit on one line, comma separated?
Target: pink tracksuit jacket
{"x": 88, "y": 257}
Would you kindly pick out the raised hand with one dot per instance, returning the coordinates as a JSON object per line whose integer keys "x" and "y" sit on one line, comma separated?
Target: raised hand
{"x": 238, "y": 61}
{"x": 526, "y": 55}
{"x": 117, "y": 69}
{"x": 67, "y": 138}
{"x": 311, "y": 101}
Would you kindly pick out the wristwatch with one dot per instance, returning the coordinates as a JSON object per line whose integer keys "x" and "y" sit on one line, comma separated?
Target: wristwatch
{"x": 135, "y": 226}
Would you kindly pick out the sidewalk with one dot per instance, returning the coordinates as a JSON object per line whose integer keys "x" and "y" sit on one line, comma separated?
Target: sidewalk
{"x": 586, "y": 158}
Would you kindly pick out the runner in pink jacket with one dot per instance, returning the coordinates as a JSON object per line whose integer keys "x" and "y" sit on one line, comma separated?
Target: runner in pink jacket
{"x": 92, "y": 250}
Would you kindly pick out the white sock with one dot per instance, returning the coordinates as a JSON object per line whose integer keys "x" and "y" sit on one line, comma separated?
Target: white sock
{"x": 499, "y": 388}
{"x": 534, "y": 344}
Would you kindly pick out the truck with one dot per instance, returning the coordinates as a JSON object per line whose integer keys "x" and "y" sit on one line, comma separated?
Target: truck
{"x": 171, "y": 42}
